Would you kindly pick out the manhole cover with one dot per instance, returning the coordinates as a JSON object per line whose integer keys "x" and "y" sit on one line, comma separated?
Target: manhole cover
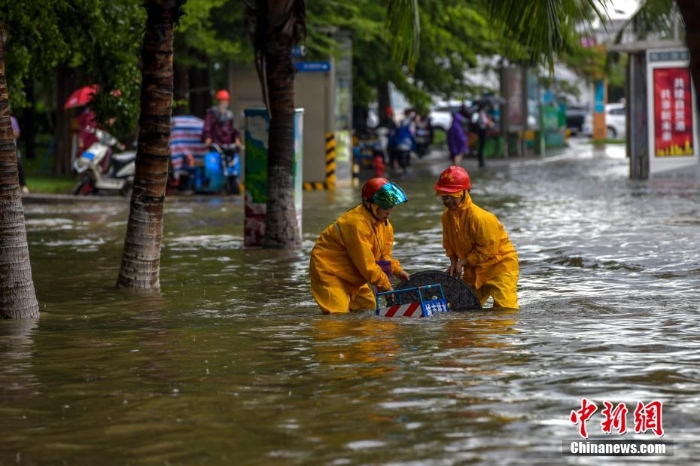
{"x": 457, "y": 293}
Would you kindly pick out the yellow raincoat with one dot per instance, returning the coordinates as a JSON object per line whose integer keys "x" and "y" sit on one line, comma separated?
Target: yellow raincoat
{"x": 344, "y": 261}
{"x": 470, "y": 232}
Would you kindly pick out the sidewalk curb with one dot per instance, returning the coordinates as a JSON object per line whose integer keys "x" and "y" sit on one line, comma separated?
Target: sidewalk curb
{"x": 37, "y": 198}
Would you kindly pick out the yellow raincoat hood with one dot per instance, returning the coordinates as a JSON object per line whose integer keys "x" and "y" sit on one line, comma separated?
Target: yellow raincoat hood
{"x": 470, "y": 232}
{"x": 347, "y": 251}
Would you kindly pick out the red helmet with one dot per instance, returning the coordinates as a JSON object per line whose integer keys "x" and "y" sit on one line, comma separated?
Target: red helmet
{"x": 370, "y": 188}
{"x": 223, "y": 95}
{"x": 453, "y": 179}
{"x": 383, "y": 193}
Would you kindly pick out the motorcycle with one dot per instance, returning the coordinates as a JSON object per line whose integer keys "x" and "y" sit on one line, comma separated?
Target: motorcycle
{"x": 221, "y": 169}
{"x": 119, "y": 177}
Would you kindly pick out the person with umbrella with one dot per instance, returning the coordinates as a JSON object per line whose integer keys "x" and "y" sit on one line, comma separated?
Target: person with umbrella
{"x": 87, "y": 120}
{"x": 456, "y": 138}
{"x": 481, "y": 122}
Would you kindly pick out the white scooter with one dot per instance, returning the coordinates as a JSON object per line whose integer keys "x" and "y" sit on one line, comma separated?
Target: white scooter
{"x": 120, "y": 174}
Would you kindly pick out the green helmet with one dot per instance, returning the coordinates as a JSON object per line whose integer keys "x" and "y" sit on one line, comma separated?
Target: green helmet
{"x": 389, "y": 195}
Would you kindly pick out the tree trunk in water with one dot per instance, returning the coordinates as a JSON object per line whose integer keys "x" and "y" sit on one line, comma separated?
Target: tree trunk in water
{"x": 140, "y": 267}
{"x": 281, "y": 225}
{"x": 690, "y": 11}
{"x": 17, "y": 295}
{"x": 383, "y": 100}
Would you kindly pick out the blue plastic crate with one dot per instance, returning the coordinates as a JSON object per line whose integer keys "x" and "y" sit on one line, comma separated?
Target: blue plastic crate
{"x": 422, "y": 308}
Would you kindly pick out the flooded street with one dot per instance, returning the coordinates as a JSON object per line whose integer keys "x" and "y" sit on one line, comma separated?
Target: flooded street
{"x": 234, "y": 364}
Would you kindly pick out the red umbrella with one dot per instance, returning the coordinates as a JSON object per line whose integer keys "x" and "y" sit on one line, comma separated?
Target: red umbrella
{"x": 81, "y": 97}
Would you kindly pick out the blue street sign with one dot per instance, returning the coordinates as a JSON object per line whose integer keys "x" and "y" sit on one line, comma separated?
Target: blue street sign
{"x": 298, "y": 51}
{"x": 313, "y": 66}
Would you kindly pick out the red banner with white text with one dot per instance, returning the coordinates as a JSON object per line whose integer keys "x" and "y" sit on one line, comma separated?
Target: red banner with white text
{"x": 673, "y": 113}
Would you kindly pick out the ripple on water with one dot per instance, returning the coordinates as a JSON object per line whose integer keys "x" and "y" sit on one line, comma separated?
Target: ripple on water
{"x": 232, "y": 362}
{"x": 211, "y": 242}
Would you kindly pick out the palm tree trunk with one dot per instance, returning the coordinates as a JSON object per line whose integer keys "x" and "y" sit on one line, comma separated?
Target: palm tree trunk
{"x": 17, "y": 295}
{"x": 279, "y": 24}
{"x": 281, "y": 225}
{"x": 140, "y": 267}
{"x": 690, "y": 10}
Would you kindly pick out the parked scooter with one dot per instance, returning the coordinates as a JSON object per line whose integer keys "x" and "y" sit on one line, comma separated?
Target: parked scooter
{"x": 231, "y": 165}
{"x": 120, "y": 173}
{"x": 220, "y": 170}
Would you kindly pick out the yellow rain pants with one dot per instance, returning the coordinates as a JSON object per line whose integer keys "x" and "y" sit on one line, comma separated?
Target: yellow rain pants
{"x": 475, "y": 236}
{"x": 344, "y": 261}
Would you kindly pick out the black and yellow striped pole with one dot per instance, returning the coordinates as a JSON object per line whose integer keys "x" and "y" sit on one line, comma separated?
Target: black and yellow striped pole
{"x": 330, "y": 160}
{"x": 329, "y": 182}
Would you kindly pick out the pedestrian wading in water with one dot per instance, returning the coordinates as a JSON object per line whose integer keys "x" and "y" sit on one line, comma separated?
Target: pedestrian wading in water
{"x": 476, "y": 242}
{"x": 346, "y": 258}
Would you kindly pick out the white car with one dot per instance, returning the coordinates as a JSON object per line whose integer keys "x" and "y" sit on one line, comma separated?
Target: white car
{"x": 615, "y": 121}
{"x": 441, "y": 114}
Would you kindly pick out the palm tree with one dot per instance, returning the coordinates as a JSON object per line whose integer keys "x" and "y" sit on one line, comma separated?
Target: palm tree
{"x": 661, "y": 15}
{"x": 690, "y": 11}
{"x": 539, "y": 30}
{"x": 540, "y": 25}
{"x": 17, "y": 295}
{"x": 276, "y": 26}
{"x": 140, "y": 267}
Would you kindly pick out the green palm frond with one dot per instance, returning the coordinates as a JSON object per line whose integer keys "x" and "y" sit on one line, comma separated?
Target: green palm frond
{"x": 654, "y": 16}
{"x": 542, "y": 28}
{"x": 403, "y": 24}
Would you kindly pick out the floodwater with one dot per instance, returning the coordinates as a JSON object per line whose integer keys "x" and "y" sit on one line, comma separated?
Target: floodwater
{"x": 234, "y": 364}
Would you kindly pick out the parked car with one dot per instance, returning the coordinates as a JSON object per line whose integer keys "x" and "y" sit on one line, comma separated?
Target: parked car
{"x": 615, "y": 121}
{"x": 576, "y": 116}
{"x": 441, "y": 114}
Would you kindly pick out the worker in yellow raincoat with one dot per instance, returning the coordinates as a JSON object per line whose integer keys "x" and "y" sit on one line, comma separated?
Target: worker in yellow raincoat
{"x": 349, "y": 255}
{"x": 476, "y": 242}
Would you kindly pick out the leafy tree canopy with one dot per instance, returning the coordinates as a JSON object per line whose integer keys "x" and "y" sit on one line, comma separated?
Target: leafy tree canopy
{"x": 101, "y": 37}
